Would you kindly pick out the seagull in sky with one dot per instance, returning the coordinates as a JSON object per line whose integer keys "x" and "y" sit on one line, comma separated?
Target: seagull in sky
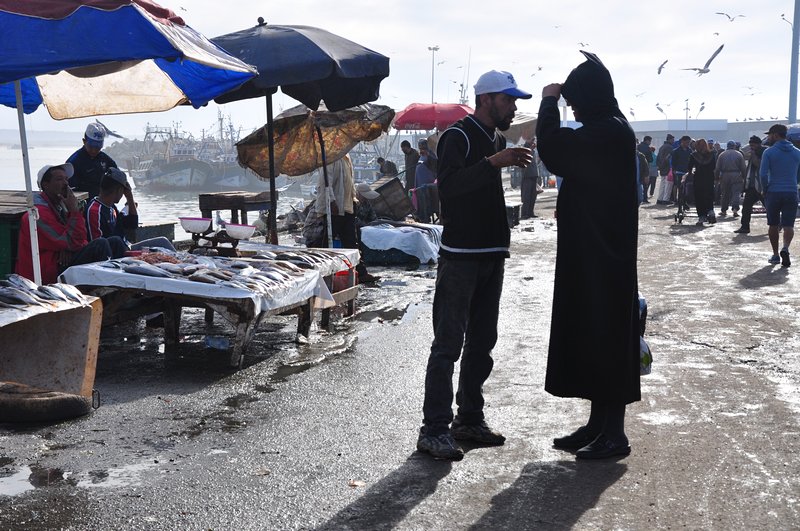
{"x": 730, "y": 18}
{"x": 639, "y": 95}
{"x": 660, "y": 68}
{"x": 632, "y": 114}
{"x": 108, "y": 131}
{"x": 583, "y": 44}
{"x": 705, "y": 69}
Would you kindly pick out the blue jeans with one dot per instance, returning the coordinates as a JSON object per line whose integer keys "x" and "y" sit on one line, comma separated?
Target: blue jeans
{"x": 465, "y": 312}
{"x": 100, "y": 249}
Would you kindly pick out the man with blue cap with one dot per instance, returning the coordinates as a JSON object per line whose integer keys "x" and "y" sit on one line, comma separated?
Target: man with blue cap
{"x": 89, "y": 162}
{"x": 475, "y": 243}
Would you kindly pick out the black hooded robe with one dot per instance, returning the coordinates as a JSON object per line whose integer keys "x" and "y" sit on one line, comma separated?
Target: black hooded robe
{"x": 594, "y": 334}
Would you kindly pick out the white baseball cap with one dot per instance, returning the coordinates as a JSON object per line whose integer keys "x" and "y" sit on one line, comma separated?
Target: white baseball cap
{"x": 67, "y": 167}
{"x": 497, "y": 81}
{"x": 95, "y": 135}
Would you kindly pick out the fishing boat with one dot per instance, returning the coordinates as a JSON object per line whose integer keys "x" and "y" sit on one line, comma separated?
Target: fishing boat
{"x": 172, "y": 160}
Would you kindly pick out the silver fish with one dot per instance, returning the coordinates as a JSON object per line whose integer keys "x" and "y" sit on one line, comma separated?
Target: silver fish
{"x": 21, "y": 282}
{"x": 51, "y": 293}
{"x": 18, "y": 296}
{"x": 70, "y": 291}
{"x": 146, "y": 270}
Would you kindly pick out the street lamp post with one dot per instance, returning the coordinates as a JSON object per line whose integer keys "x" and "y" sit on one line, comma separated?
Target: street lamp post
{"x": 793, "y": 67}
{"x": 686, "y": 128}
{"x": 433, "y": 50}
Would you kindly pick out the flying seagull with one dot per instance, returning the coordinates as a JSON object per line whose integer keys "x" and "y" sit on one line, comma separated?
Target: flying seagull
{"x": 705, "y": 69}
{"x": 660, "y": 68}
{"x": 730, "y": 18}
{"x": 632, "y": 114}
{"x": 108, "y": 131}
{"x": 583, "y": 44}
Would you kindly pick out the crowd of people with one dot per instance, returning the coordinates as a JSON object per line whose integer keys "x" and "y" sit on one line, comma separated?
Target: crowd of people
{"x": 699, "y": 173}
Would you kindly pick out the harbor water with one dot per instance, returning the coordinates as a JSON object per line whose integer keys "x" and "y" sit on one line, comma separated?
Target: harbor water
{"x": 154, "y": 207}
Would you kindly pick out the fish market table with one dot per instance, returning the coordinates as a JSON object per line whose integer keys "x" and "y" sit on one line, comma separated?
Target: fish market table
{"x": 242, "y": 300}
{"x": 337, "y": 272}
{"x": 237, "y": 202}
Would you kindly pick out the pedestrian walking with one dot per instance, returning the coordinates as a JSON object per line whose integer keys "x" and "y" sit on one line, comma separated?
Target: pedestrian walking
{"x": 752, "y": 184}
{"x": 730, "y": 171}
{"x": 663, "y": 161}
{"x": 780, "y": 174}
{"x": 594, "y": 334}
{"x": 531, "y": 184}
{"x": 469, "y": 281}
{"x": 701, "y": 167}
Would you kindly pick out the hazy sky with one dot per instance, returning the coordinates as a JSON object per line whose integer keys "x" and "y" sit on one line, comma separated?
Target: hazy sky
{"x": 537, "y": 41}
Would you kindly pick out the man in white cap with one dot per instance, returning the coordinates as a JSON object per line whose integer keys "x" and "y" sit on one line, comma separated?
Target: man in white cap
{"x": 475, "y": 244}
{"x": 61, "y": 230}
{"x": 90, "y": 162}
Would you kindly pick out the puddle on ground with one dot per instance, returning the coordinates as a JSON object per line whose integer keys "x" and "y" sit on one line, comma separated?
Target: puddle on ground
{"x": 381, "y": 314}
{"x": 29, "y": 478}
{"x": 123, "y": 476}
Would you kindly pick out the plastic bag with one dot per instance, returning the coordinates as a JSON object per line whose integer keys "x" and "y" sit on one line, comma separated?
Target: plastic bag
{"x": 645, "y": 357}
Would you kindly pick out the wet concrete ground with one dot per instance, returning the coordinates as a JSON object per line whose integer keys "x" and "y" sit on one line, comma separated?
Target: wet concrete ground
{"x": 322, "y": 435}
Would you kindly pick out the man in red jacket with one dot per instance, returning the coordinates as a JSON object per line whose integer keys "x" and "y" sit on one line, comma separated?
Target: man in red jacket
{"x": 61, "y": 230}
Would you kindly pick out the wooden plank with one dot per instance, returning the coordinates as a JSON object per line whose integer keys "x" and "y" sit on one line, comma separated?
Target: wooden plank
{"x": 345, "y": 295}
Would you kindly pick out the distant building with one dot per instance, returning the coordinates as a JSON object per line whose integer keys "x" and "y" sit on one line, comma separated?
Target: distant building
{"x": 720, "y": 130}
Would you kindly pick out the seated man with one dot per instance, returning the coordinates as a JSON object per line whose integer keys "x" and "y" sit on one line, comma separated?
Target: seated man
{"x": 61, "y": 230}
{"x": 387, "y": 167}
{"x": 103, "y": 219}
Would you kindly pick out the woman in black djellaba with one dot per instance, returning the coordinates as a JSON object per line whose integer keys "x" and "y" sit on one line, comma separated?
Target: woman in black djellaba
{"x": 701, "y": 167}
{"x": 594, "y": 334}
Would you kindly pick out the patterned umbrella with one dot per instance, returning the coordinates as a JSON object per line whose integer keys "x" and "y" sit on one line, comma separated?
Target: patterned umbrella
{"x": 297, "y": 145}
{"x": 304, "y": 140}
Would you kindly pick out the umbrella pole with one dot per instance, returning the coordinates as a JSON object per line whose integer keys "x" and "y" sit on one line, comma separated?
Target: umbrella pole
{"x": 327, "y": 187}
{"x": 272, "y": 223}
{"x": 33, "y": 212}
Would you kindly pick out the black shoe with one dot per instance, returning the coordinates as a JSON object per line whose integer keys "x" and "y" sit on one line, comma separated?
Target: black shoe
{"x": 575, "y": 440}
{"x": 711, "y": 221}
{"x": 603, "y": 448}
{"x": 366, "y": 278}
{"x": 785, "y": 260}
{"x": 479, "y": 433}
{"x": 735, "y": 214}
{"x": 440, "y": 446}
{"x": 742, "y": 230}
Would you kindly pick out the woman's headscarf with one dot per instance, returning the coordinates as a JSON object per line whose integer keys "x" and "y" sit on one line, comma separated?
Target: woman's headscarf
{"x": 589, "y": 89}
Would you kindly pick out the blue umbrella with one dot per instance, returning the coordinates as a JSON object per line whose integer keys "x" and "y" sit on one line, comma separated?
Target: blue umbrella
{"x": 94, "y": 57}
{"x": 310, "y": 65}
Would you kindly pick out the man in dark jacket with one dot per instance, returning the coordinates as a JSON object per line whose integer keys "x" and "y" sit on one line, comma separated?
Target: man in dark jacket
{"x": 475, "y": 242}
{"x": 752, "y": 184}
{"x": 411, "y": 158}
{"x": 90, "y": 163}
{"x": 594, "y": 333}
